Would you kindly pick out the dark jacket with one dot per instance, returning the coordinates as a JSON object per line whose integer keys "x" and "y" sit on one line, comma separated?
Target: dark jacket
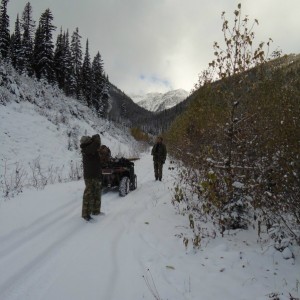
{"x": 159, "y": 152}
{"x": 91, "y": 158}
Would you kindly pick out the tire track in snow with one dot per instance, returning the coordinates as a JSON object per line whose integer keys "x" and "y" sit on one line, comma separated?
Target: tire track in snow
{"x": 122, "y": 220}
{"x": 116, "y": 222}
{"x": 39, "y": 253}
{"x": 39, "y": 271}
{"x": 12, "y": 241}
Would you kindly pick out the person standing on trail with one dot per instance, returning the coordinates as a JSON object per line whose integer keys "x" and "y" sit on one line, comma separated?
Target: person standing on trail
{"x": 159, "y": 152}
{"x": 92, "y": 175}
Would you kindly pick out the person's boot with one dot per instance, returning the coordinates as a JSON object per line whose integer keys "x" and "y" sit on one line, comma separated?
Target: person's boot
{"x": 87, "y": 218}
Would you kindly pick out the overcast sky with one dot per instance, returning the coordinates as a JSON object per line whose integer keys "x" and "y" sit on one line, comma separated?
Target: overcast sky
{"x": 160, "y": 45}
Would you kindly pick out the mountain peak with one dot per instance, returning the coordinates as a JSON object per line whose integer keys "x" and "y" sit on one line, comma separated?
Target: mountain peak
{"x": 155, "y": 101}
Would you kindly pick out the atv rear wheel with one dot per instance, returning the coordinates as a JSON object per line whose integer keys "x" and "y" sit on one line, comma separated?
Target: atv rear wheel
{"x": 133, "y": 183}
{"x": 124, "y": 186}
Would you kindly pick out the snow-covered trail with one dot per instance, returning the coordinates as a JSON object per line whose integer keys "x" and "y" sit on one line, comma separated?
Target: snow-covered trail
{"x": 51, "y": 253}
{"x": 47, "y": 251}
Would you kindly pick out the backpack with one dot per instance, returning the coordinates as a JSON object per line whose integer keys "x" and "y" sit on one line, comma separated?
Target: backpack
{"x": 105, "y": 154}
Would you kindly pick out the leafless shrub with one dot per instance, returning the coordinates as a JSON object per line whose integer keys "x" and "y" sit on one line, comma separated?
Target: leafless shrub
{"x": 75, "y": 171}
{"x": 15, "y": 177}
{"x": 38, "y": 179}
{"x": 14, "y": 182}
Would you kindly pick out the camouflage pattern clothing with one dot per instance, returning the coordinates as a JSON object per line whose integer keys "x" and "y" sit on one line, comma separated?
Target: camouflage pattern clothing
{"x": 158, "y": 167}
{"x": 92, "y": 176}
{"x": 159, "y": 153}
{"x": 91, "y": 198}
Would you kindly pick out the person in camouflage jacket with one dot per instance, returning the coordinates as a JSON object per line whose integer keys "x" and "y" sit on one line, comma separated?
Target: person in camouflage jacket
{"x": 159, "y": 152}
{"x": 92, "y": 176}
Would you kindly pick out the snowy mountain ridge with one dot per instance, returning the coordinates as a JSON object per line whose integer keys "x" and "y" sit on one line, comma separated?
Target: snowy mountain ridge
{"x": 160, "y": 101}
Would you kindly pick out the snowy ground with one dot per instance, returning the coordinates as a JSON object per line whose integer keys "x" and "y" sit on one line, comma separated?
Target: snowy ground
{"x": 131, "y": 253}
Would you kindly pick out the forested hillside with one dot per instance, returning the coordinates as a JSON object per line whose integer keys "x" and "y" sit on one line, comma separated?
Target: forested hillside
{"x": 243, "y": 160}
{"x": 239, "y": 140}
{"x": 31, "y": 50}
{"x": 123, "y": 110}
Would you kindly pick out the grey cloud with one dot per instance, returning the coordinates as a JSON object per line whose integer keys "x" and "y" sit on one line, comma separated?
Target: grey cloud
{"x": 169, "y": 39}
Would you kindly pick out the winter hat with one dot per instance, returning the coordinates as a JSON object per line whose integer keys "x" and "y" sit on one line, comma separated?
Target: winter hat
{"x": 85, "y": 139}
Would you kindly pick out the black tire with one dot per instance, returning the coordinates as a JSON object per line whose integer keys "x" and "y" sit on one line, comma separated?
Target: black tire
{"x": 124, "y": 186}
{"x": 133, "y": 183}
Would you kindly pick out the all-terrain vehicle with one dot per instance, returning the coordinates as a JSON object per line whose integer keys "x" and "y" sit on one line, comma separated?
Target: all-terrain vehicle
{"x": 119, "y": 172}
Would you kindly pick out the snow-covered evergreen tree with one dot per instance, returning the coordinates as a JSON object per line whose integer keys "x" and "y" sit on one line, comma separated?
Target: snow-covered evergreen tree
{"x": 105, "y": 98}
{"x": 86, "y": 75}
{"x": 76, "y": 61}
{"x": 37, "y": 52}
{"x": 43, "y": 48}
{"x": 28, "y": 26}
{"x": 98, "y": 84}
{"x": 63, "y": 64}
{"x": 59, "y": 62}
{"x": 4, "y": 30}
{"x": 16, "y": 47}
{"x": 69, "y": 75}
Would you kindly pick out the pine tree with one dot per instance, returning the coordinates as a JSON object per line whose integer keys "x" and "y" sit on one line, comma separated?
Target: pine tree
{"x": 16, "y": 47}
{"x": 86, "y": 75}
{"x": 38, "y": 52}
{"x": 76, "y": 61}
{"x": 69, "y": 75}
{"x": 43, "y": 48}
{"x": 105, "y": 98}
{"x": 58, "y": 61}
{"x": 63, "y": 64}
{"x": 28, "y": 26}
{"x": 4, "y": 30}
{"x": 98, "y": 84}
